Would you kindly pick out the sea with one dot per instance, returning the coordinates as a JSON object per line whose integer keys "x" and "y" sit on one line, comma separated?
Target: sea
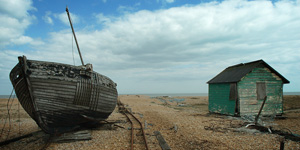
{"x": 192, "y": 94}
{"x": 174, "y": 94}
{"x": 169, "y": 94}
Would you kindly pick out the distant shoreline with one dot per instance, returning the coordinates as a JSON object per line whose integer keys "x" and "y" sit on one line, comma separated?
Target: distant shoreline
{"x": 192, "y": 94}
{"x": 174, "y": 94}
{"x": 170, "y": 94}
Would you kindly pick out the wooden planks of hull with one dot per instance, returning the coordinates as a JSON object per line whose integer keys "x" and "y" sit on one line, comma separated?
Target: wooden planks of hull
{"x": 60, "y": 97}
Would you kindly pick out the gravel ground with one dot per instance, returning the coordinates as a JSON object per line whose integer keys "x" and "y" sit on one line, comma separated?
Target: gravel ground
{"x": 196, "y": 128}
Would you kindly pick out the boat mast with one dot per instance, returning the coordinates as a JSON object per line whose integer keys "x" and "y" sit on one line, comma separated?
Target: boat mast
{"x": 67, "y": 10}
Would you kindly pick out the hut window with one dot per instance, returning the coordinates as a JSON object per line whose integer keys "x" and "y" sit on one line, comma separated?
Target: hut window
{"x": 261, "y": 90}
{"x": 233, "y": 92}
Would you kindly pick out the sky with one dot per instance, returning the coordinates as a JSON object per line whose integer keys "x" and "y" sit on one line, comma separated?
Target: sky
{"x": 158, "y": 46}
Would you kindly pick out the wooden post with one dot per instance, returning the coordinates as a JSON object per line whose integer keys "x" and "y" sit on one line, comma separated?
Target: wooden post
{"x": 67, "y": 10}
{"x": 145, "y": 126}
{"x": 261, "y": 107}
{"x": 281, "y": 140}
{"x": 162, "y": 142}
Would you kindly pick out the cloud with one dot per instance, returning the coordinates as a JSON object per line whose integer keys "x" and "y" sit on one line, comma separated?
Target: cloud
{"x": 102, "y": 19}
{"x": 63, "y": 17}
{"x": 16, "y": 8}
{"x": 15, "y": 19}
{"x": 128, "y": 9}
{"x": 189, "y": 33}
{"x": 170, "y": 1}
{"x": 165, "y": 2}
{"x": 47, "y": 18}
{"x": 27, "y": 40}
{"x": 181, "y": 48}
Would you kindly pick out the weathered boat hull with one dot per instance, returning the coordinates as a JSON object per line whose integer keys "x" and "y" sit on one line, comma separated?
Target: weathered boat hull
{"x": 62, "y": 97}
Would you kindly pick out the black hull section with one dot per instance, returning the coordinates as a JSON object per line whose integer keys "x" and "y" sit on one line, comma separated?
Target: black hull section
{"x": 61, "y": 97}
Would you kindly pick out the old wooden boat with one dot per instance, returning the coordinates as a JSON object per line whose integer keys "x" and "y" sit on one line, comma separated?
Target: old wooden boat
{"x": 61, "y": 97}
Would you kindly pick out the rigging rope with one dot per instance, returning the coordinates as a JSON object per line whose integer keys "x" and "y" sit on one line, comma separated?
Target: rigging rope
{"x": 19, "y": 120}
{"x": 8, "y": 115}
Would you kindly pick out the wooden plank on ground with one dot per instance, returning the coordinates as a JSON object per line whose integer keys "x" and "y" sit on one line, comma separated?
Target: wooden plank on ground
{"x": 74, "y": 136}
{"x": 162, "y": 142}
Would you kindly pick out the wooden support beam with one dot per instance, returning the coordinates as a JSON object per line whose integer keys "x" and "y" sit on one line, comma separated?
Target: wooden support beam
{"x": 162, "y": 142}
{"x": 262, "y": 106}
{"x": 74, "y": 136}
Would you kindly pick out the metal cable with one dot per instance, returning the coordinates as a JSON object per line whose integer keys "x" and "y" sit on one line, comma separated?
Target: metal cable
{"x": 19, "y": 120}
{"x": 7, "y": 113}
{"x": 9, "y": 117}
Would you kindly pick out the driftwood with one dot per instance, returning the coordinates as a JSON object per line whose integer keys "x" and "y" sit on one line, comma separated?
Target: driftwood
{"x": 107, "y": 126}
{"x": 284, "y": 134}
{"x": 162, "y": 142}
{"x": 19, "y": 138}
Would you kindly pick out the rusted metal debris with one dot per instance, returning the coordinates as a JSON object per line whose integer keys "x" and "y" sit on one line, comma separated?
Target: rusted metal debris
{"x": 125, "y": 111}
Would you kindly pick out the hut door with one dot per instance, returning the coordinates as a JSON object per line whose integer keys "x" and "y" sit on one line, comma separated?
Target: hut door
{"x": 233, "y": 95}
{"x": 261, "y": 90}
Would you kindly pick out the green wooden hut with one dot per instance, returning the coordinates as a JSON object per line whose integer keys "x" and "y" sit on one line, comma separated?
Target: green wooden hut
{"x": 240, "y": 90}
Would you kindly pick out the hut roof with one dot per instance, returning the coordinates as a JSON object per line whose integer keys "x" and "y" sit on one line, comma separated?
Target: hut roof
{"x": 235, "y": 73}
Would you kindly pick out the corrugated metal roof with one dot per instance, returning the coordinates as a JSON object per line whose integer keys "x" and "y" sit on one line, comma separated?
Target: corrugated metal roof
{"x": 235, "y": 73}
